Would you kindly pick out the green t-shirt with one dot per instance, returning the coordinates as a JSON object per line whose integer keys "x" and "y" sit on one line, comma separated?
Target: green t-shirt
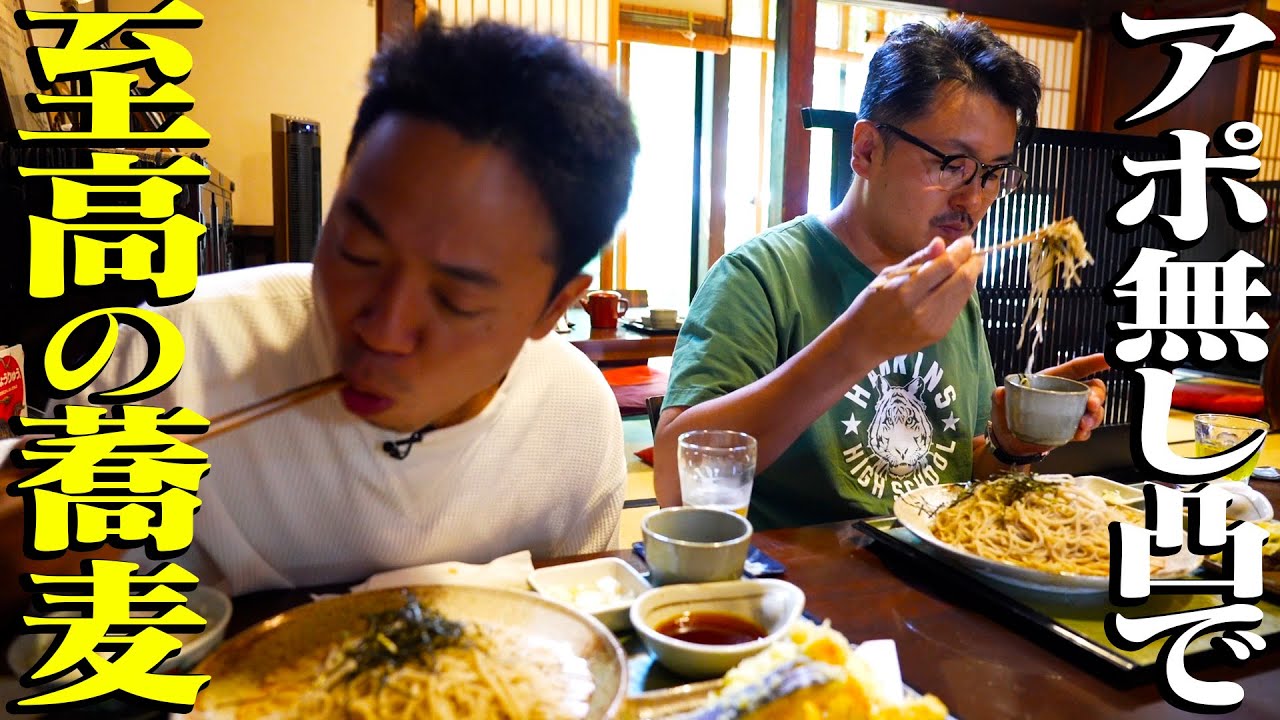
{"x": 907, "y": 424}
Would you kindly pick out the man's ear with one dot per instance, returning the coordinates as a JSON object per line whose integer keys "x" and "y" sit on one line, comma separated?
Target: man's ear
{"x": 559, "y": 305}
{"x": 868, "y": 147}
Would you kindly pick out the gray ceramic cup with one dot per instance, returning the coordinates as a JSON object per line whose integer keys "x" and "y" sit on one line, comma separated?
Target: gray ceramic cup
{"x": 695, "y": 545}
{"x": 1043, "y": 409}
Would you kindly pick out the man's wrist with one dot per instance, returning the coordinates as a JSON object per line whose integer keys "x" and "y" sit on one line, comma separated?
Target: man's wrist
{"x": 1006, "y": 458}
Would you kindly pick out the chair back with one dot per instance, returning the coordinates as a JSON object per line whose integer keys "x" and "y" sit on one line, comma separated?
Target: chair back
{"x": 654, "y": 406}
{"x": 840, "y": 123}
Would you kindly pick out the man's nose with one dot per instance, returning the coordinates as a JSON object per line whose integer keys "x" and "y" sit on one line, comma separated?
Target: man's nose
{"x": 390, "y": 321}
{"x": 973, "y": 198}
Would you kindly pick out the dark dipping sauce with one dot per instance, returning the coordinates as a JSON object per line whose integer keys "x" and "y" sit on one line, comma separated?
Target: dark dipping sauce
{"x": 711, "y": 628}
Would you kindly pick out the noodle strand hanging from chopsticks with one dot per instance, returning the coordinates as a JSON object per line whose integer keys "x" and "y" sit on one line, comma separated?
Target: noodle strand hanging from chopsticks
{"x": 1058, "y": 255}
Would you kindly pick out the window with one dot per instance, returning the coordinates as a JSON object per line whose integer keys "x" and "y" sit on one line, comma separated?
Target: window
{"x": 848, "y": 34}
{"x": 750, "y": 114}
{"x": 750, "y": 109}
{"x": 1056, "y": 51}
{"x": 659, "y": 217}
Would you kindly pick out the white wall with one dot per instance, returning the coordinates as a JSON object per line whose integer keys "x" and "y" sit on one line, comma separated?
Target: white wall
{"x": 257, "y": 57}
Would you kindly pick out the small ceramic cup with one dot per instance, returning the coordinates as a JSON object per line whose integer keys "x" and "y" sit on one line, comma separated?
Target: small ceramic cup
{"x": 662, "y": 317}
{"x": 1043, "y": 409}
{"x": 695, "y": 545}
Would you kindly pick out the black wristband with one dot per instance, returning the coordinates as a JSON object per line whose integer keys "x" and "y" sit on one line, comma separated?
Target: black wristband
{"x": 1005, "y": 458}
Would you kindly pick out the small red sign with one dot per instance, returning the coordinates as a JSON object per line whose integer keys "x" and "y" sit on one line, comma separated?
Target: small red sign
{"x": 12, "y": 389}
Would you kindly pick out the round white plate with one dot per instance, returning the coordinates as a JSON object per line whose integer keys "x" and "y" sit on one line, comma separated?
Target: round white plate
{"x": 916, "y": 510}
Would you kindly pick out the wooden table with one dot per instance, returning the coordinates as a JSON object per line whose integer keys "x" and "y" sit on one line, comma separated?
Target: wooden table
{"x": 616, "y": 345}
{"x": 947, "y": 644}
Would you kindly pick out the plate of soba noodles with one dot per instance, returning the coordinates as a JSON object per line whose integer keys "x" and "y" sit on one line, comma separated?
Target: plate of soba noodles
{"x": 1043, "y": 532}
{"x": 421, "y": 652}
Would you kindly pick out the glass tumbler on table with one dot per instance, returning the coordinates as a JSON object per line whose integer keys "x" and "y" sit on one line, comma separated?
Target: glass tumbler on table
{"x": 717, "y": 469}
{"x": 1217, "y": 433}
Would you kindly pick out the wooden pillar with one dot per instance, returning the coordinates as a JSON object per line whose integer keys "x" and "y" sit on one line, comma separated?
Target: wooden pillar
{"x": 792, "y": 90}
{"x": 613, "y": 258}
{"x": 719, "y": 156}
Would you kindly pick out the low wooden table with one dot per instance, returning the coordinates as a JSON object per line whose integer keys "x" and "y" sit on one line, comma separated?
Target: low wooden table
{"x": 947, "y": 644}
{"x": 616, "y": 345}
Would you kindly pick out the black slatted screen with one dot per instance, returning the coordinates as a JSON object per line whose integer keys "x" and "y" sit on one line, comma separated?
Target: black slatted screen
{"x": 1068, "y": 174}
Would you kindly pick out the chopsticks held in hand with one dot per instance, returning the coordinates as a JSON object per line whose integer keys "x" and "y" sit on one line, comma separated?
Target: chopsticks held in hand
{"x": 229, "y": 421}
{"x": 1045, "y": 232}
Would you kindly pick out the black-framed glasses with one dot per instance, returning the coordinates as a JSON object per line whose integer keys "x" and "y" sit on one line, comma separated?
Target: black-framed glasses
{"x": 956, "y": 171}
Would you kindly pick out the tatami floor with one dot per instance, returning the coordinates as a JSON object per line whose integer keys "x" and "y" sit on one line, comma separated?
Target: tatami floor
{"x": 640, "y": 497}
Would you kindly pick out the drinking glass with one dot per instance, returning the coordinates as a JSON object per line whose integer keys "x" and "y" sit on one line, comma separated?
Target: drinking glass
{"x": 1216, "y": 433}
{"x": 717, "y": 469}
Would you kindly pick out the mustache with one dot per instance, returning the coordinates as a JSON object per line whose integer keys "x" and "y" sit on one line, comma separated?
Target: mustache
{"x": 955, "y": 218}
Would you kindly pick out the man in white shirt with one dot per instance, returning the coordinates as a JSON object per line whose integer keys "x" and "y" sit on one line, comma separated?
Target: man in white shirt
{"x": 487, "y": 165}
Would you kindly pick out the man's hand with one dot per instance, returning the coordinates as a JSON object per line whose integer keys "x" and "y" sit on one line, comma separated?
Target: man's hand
{"x": 1094, "y": 409}
{"x": 909, "y": 312}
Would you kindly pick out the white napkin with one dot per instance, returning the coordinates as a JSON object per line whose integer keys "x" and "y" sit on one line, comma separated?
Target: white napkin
{"x": 510, "y": 572}
{"x": 1247, "y": 503}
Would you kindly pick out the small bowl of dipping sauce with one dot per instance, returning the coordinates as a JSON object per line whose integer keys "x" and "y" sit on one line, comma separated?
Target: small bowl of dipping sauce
{"x": 702, "y": 630}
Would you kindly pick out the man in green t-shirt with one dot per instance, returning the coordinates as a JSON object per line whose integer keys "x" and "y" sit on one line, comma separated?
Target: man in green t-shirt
{"x": 860, "y": 388}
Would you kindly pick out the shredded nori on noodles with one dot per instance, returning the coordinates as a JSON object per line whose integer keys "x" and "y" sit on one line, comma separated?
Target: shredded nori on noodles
{"x": 1011, "y": 486}
{"x": 396, "y": 637}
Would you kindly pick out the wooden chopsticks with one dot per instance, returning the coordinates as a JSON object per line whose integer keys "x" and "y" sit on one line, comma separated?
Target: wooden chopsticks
{"x": 1030, "y": 237}
{"x": 223, "y": 423}
{"x": 229, "y": 421}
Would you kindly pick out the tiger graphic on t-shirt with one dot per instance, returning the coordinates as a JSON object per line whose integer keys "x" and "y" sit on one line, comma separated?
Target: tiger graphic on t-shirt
{"x": 902, "y": 428}
{"x": 901, "y": 432}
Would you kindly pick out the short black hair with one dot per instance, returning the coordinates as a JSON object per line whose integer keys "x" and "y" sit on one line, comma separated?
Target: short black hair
{"x": 532, "y": 95}
{"x": 917, "y": 58}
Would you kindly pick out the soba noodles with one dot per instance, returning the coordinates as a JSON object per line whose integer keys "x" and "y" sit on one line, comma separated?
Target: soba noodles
{"x": 452, "y": 670}
{"x": 1058, "y": 255}
{"x": 1053, "y": 527}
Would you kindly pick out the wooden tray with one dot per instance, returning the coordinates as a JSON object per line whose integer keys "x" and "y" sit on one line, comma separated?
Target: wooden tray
{"x": 1075, "y": 626}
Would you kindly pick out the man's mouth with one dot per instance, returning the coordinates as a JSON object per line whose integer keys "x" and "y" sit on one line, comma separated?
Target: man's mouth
{"x": 953, "y": 231}
{"x": 364, "y": 403}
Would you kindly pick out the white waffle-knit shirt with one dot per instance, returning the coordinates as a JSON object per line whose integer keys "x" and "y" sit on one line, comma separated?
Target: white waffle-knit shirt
{"x": 308, "y": 496}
